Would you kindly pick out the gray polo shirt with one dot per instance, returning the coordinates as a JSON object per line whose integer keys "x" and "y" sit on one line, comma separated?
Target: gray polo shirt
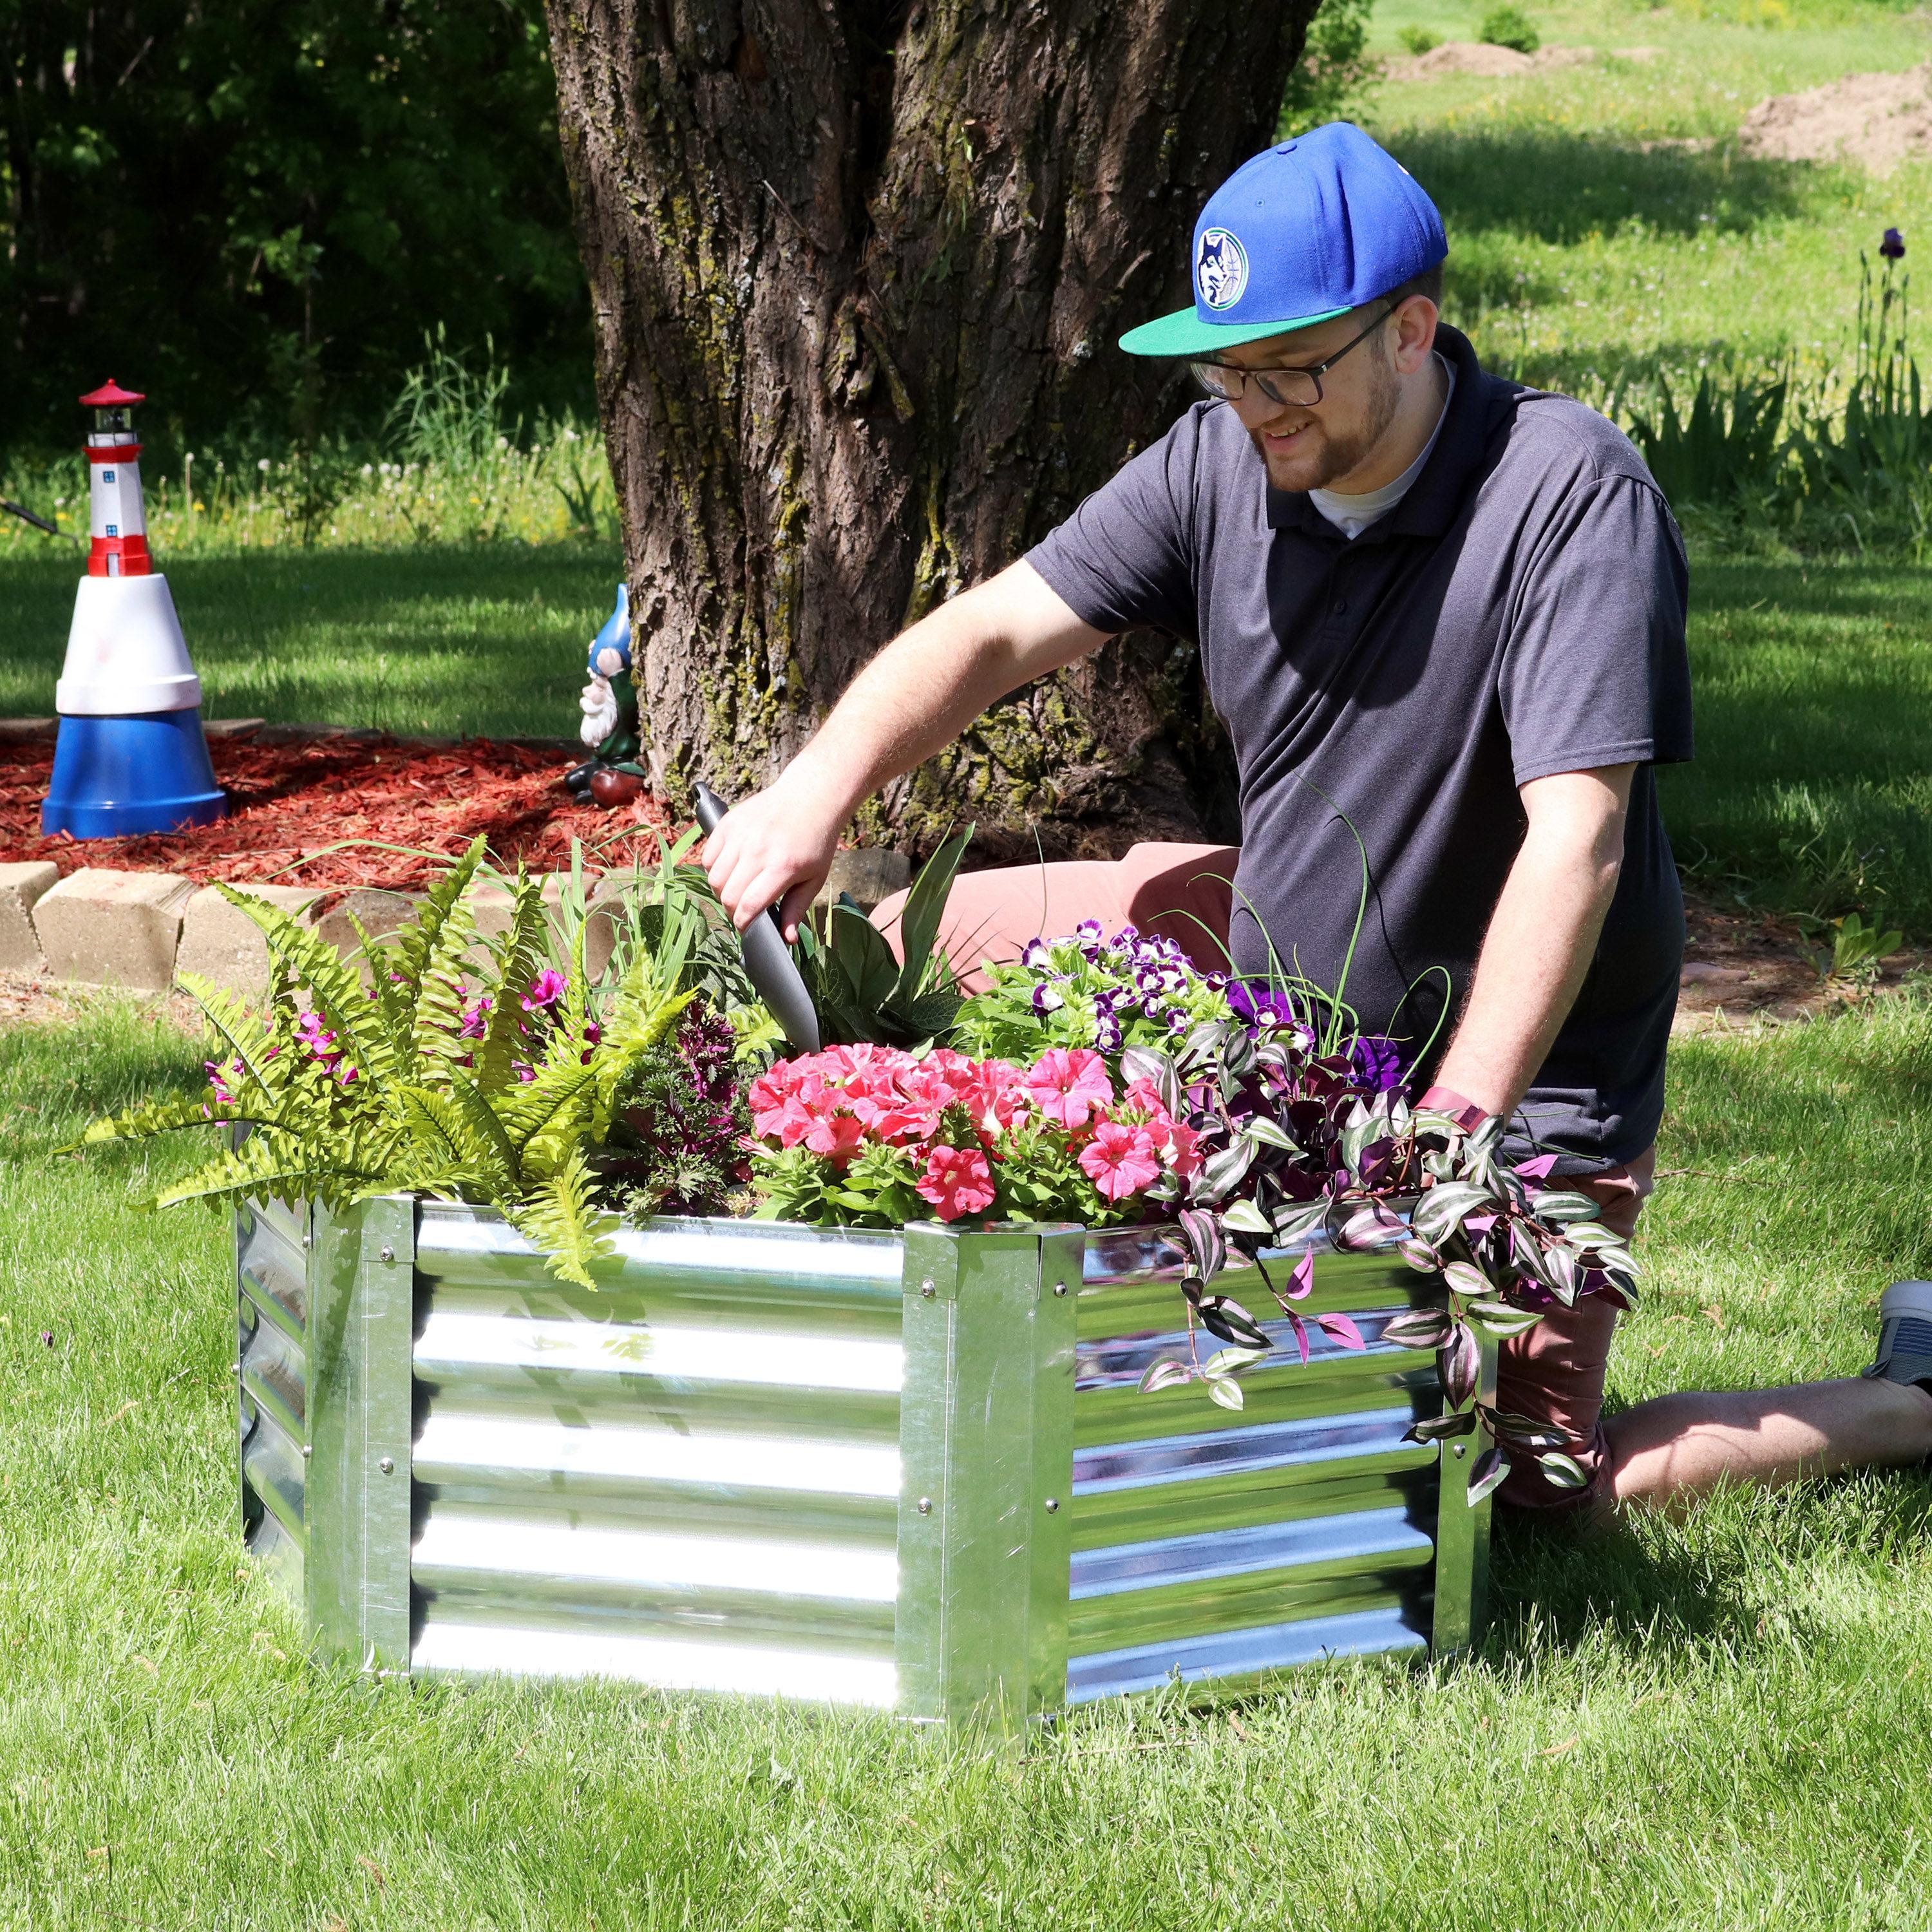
{"x": 1520, "y": 613}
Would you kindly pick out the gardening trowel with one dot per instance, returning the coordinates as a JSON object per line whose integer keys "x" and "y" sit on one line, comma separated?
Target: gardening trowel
{"x": 768, "y": 960}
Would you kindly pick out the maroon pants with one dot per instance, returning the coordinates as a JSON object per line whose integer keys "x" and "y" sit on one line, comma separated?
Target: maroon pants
{"x": 1555, "y": 1372}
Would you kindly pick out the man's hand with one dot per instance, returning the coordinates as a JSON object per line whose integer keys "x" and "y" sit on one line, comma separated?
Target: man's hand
{"x": 1542, "y": 936}
{"x": 918, "y": 694}
{"x": 775, "y": 850}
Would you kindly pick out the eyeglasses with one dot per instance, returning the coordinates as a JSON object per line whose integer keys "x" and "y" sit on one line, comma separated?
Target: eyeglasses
{"x": 1301, "y": 388}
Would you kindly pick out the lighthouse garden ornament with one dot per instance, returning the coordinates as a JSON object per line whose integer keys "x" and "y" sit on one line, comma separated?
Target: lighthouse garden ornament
{"x": 131, "y": 757}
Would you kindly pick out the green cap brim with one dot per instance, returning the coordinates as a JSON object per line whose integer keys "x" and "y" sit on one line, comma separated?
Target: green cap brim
{"x": 1183, "y": 333}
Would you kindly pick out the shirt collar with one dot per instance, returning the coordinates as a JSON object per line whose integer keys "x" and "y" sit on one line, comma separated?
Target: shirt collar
{"x": 1438, "y": 494}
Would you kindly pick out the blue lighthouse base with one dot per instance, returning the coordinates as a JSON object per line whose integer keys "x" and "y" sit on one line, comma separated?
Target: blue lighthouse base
{"x": 116, "y": 778}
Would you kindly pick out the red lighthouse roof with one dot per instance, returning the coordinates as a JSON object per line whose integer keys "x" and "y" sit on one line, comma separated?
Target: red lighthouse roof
{"x": 110, "y": 396}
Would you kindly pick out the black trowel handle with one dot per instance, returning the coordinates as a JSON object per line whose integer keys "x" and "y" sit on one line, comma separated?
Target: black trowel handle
{"x": 768, "y": 960}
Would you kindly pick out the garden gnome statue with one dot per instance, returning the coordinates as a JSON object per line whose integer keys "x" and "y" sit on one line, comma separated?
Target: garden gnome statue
{"x": 611, "y": 774}
{"x": 131, "y": 757}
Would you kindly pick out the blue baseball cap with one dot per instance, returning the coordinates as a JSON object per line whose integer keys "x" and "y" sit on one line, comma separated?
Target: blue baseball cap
{"x": 1303, "y": 233}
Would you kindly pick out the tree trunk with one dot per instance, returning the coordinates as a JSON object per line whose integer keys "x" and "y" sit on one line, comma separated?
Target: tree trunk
{"x": 857, "y": 269}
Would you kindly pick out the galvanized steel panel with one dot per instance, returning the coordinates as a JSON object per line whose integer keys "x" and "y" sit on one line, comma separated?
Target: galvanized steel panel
{"x": 911, "y": 1470}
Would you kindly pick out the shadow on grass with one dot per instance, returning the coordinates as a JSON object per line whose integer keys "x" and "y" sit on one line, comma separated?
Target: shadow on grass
{"x": 1560, "y": 187}
{"x": 1714, "y": 1578}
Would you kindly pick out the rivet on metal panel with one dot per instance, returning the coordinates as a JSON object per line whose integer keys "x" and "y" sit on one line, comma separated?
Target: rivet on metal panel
{"x": 1052, "y": 1505}
{"x": 1462, "y": 1449}
{"x": 1060, "y": 1287}
{"x": 388, "y": 1254}
{"x": 387, "y": 1466}
{"x": 928, "y": 1288}
{"x": 308, "y": 1449}
{"x": 308, "y": 1240}
{"x": 925, "y": 1506}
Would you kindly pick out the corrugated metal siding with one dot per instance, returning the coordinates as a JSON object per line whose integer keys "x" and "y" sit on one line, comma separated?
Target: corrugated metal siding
{"x": 1223, "y": 1544}
{"x": 691, "y": 1477}
{"x": 271, "y": 1314}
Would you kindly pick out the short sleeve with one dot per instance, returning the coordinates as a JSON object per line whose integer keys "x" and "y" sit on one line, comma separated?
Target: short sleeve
{"x": 1126, "y": 557}
{"x": 1594, "y": 669}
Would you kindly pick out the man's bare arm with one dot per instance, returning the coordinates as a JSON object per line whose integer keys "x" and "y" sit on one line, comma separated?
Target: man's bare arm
{"x": 1542, "y": 936}
{"x": 917, "y": 695}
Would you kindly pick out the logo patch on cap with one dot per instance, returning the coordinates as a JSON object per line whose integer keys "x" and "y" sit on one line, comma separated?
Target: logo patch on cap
{"x": 1220, "y": 269}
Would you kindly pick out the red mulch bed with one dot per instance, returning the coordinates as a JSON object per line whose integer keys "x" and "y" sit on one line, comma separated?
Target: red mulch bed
{"x": 292, "y": 805}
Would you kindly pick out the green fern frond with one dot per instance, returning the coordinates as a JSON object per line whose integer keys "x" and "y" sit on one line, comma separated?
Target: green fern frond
{"x": 517, "y": 965}
{"x": 304, "y": 959}
{"x": 558, "y": 1218}
{"x": 457, "y": 1131}
{"x": 550, "y": 1111}
{"x": 273, "y": 1164}
{"x": 419, "y": 943}
{"x": 155, "y": 1117}
{"x": 246, "y": 1033}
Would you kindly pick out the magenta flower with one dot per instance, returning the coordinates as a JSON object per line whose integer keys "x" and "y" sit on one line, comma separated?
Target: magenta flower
{"x": 957, "y": 1181}
{"x": 475, "y": 1019}
{"x": 217, "y": 1077}
{"x": 545, "y": 992}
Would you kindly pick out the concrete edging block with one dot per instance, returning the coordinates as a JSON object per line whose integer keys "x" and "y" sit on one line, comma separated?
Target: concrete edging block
{"x": 21, "y": 887}
{"x": 223, "y": 945}
{"x": 110, "y": 928}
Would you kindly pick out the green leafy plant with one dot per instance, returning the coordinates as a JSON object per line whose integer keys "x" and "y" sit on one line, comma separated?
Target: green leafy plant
{"x": 1858, "y": 950}
{"x": 422, "y": 1083}
{"x": 1332, "y": 79}
{"x": 1509, "y": 26}
{"x": 861, "y": 992}
{"x": 1419, "y": 40}
{"x": 1728, "y": 440}
{"x": 1869, "y": 461}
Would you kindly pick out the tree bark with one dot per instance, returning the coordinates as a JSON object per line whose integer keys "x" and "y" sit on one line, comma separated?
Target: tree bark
{"x": 857, "y": 270}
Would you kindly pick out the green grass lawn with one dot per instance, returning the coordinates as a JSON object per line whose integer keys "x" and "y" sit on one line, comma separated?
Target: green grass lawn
{"x": 1583, "y": 253}
{"x": 481, "y": 638}
{"x": 1719, "y": 1724}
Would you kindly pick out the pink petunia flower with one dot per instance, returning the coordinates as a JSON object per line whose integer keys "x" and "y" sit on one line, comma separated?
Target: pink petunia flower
{"x": 957, "y": 1181}
{"x": 837, "y": 1136}
{"x": 1119, "y": 1160}
{"x": 1067, "y": 1086}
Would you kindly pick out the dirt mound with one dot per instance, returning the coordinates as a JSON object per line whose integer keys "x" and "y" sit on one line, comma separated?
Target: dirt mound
{"x": 1875, "y": 119}
{"x": 1484, "y": 62}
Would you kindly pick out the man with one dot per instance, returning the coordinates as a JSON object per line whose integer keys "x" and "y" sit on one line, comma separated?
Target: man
{"x": 1442, "y": 616}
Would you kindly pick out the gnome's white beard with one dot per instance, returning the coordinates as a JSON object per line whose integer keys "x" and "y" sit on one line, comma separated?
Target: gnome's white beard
{"x": 600, "y": 712}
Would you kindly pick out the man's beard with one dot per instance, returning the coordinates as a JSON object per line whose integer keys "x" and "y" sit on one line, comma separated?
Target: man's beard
{"x": 1334, "y": 455}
